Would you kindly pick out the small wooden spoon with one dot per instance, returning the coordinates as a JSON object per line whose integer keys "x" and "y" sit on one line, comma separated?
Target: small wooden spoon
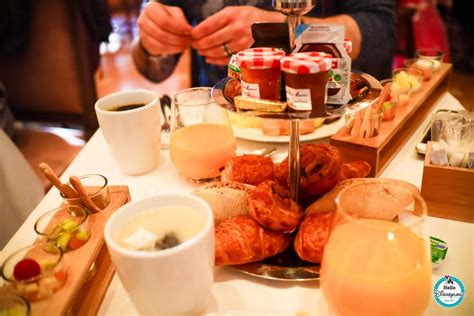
{"x": 76, "y": 183}
{"x": 66, "y": 190}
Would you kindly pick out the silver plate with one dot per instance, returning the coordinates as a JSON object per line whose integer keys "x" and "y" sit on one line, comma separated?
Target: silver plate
{"x": 261, "y": 270}
{"x": 286, "y": 266}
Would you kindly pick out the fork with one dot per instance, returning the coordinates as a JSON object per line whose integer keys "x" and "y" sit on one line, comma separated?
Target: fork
{"x": 165, "y": 102}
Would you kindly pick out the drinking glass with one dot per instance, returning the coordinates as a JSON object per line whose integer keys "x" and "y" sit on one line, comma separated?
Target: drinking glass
{"x": 201, "y": 135}
{"x": 377, "y": 260}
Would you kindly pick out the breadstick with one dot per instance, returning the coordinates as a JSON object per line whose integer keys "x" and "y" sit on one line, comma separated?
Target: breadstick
{"x": 76, "y": 183}
{"x": 383, "y": 96}
{"x": 66, "y": 190}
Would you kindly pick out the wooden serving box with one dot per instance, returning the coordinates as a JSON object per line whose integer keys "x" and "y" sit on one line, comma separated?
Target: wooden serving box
{"x": 81, "y": 294}
{"x": 448, "y": 191}
{"x": 378, "y": 151}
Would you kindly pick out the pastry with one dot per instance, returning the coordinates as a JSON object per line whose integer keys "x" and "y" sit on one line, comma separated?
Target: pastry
{"x": 312, "y": 236}
{"x": 319, "y": 171}
{"x": 241, "y": 240}
{"x": 250, "y": 169}
{"x": 270, "y": 205}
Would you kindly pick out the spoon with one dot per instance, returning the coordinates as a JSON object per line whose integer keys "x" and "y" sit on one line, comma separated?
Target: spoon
{"x": 165, "y": 102}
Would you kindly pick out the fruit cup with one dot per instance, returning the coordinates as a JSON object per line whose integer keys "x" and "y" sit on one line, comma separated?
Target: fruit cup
{"x": 413, "y": 76}
{"x": 425, "y": 65}
{"x": 97, "y": 189}
{"x": 65, "y": 227}
{"x": 401, "y": 90}
{"x": 433, "y": 54}
{"x": 35, "y": 272}
{"x": 14, "y": 305}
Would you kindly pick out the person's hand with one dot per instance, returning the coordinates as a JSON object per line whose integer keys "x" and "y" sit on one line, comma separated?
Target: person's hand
{"x": 164, "y": 29}
{"x": 228, "y": 31}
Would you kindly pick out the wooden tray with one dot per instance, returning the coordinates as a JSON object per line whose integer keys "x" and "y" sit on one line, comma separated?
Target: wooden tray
{"x": 379, "y": 151}
{"x": 79, "y": 295}
{"x": 448, "y": 191}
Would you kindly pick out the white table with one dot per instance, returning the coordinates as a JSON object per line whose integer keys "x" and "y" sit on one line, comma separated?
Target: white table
{"x": 233, "y": 292}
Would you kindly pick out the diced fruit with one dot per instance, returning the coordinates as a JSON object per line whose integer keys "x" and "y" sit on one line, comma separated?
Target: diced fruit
{"x": 47, "y": 265}
{"x": 387, "y": 105}
{"x": 76, "y": 243}
{"x": 31, "y": 287}
{"x": 26, "y": 269}
{"x": 50, "y": 247}
{"x": 69, "y": 225}
{"x": 63, "y": 241}
{"x": 61, "y": 276}
{"x": 83, "y": 235}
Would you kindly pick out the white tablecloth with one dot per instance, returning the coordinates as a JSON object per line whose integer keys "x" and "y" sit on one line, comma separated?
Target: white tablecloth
{"x": 236, "y": 293}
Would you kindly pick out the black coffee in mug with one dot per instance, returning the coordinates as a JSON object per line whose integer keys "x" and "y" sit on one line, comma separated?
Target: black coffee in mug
{"x": 126, "y": 107}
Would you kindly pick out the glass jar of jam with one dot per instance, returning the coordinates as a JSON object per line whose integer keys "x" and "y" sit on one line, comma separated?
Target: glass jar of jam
{"x": 306, "y": 77}
{"x": 260, "y": 72}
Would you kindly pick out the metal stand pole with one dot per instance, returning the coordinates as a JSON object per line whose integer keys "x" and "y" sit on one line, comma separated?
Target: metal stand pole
{"x": 294, "y": 159}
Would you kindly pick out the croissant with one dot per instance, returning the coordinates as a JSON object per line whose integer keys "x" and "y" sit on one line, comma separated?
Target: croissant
{"x": 241, "y": 240}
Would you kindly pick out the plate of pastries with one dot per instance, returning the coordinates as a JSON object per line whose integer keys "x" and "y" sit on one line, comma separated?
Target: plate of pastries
{"x": 260, "y": 230}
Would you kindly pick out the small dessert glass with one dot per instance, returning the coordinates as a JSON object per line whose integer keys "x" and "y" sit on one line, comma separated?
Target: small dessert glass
{"x": 12, "y": 304}
{"x": 98, "y": 191}
{"x": 361, "y": 125}
{"x": 411, "y": 75}
{"x": 433, "y": 54}
{"x": 66, "y": 227}
{"x": 425, "y": 65}
{"x": 35, "y": 272}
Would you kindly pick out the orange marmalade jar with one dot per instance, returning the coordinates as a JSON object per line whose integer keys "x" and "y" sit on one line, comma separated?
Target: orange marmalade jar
{"x": 260, "y": 72}
{"x": 306, "y": 77}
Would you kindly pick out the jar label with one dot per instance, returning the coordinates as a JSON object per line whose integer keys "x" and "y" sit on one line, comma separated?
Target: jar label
{"x": 299, "y": 99}
{"x": 250, "y": 90}
{"x": 335, "y": 78}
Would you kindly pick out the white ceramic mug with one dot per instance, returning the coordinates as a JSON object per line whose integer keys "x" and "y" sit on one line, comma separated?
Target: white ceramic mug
{"x": 133, "y": 136}
{"x": 174, "y": 281}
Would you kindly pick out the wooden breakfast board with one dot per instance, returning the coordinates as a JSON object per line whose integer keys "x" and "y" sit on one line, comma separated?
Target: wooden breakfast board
{"x": 81, "y": 295}
{"x": 378, "y": 151}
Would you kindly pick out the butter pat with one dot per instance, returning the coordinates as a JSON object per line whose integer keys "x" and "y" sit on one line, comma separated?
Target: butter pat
{"x": 141, "y": 239}
{"x": 246, "y": 103}
{"x": 439, "y": 248}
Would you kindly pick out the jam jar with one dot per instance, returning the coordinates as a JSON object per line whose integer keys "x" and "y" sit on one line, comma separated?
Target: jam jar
{"x": 260, "y": 72}
{"x": 306, "y": 77}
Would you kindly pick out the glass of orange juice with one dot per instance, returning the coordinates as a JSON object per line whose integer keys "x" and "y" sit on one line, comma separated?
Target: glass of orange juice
{"x": 377, "y": 259}
{"x": 202, "y": 140}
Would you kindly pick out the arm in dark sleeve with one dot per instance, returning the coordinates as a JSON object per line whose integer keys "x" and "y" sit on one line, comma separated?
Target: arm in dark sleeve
{"x": 377, "y": 23}
{"x": 154, "y": 68}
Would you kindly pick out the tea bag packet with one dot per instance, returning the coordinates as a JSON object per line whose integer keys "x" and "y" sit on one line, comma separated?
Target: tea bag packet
{"x": 329, "y": 38}
{"x": 456, "y": 137}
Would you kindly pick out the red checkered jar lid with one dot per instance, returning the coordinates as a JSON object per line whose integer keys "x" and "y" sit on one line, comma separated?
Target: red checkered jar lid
{"x": 306, "y": 63}
{"x": 260, "y": 58}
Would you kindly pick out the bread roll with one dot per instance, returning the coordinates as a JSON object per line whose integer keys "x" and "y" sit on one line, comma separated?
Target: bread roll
{"x": 227, "y": 199}
{"x": 241, "y": 240}
{"x": 384, "y": 205}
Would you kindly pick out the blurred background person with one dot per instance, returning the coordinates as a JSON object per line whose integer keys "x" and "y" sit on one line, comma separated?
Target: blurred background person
{"x": 216, "y": 29}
